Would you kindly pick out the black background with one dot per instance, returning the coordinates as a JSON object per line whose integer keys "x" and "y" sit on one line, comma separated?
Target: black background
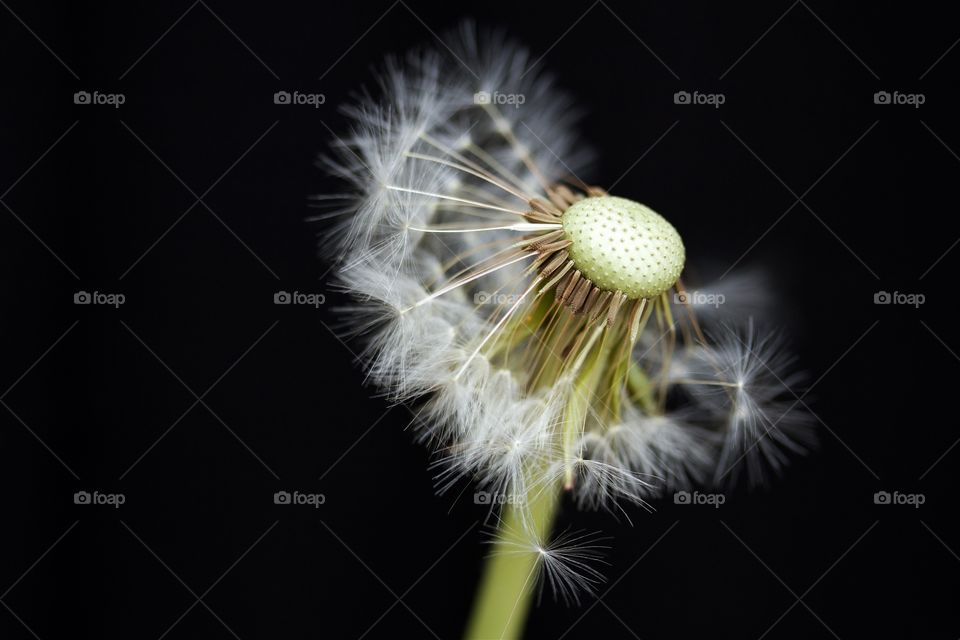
{"x": 105, "y": 199}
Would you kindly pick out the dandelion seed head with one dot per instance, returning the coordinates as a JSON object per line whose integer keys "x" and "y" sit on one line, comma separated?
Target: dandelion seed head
{"x": 625, "y": 246}
{"x": 527, "y": 315}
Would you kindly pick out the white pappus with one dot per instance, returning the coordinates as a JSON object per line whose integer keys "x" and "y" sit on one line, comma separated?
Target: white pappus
{"x": 539, "y": 324}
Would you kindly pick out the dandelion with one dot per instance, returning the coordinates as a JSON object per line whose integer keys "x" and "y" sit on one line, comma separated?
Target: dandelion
{"x": 539, "y": 323}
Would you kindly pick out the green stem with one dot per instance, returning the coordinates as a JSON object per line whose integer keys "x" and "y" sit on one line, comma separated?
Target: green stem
{"x": 509, "y": 577}
{"x": 641, "y": 389}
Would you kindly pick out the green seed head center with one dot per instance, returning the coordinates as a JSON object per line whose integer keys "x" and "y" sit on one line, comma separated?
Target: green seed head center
{"x": 622, "y": 245}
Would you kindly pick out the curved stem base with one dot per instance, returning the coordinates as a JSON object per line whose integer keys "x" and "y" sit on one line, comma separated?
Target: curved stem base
{"x": 509, "y": 578}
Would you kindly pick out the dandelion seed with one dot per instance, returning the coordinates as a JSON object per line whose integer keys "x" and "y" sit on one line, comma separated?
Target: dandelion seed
{"x": 567, "y": 564}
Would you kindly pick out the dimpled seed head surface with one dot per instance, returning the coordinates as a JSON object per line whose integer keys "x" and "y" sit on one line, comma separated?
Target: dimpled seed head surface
{"x": 623, "y": 245}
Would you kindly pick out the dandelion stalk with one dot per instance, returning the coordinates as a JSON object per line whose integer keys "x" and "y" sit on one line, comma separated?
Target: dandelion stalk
{"x": 509, "y": 578}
